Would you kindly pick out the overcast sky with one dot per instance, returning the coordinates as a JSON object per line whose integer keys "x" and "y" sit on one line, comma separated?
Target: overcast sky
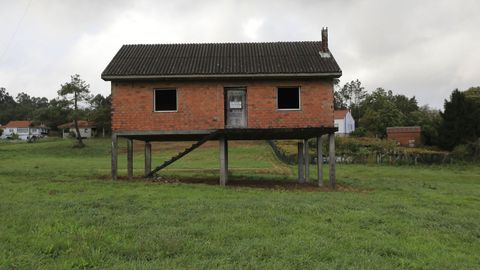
{"x": 421, "y": 48}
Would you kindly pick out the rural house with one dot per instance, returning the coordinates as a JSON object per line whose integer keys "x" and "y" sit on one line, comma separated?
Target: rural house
{"x": 344, "y": 122}
{"x": 222, "y": 91}
{"x": 87, "y": 129}
{"x": 25, "y": 130}
{"x": 405, "y": 136}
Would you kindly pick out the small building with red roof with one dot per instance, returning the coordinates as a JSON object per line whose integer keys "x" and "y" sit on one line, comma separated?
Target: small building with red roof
{"x": 25, "y": 130}
{"x": 344, "y": 121}
{"x": 87, "y": 129}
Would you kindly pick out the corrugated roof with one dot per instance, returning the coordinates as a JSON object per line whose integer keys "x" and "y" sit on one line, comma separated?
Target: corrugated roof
{"x": 221, "y": 59}
{"x": 19, "y": 124}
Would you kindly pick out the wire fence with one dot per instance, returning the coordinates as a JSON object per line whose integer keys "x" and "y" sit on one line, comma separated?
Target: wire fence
{"x": 365, "y": 156}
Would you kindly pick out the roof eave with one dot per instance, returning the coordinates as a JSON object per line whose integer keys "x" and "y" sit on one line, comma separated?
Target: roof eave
{"x": 222, "y": 76}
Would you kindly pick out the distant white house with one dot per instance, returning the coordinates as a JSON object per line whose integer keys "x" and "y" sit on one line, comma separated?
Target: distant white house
{"x": 43, "y": 129}
{"x": 24, "y": 129}
{"x": 87, "y": 129}
{"x": 344, "y": 122}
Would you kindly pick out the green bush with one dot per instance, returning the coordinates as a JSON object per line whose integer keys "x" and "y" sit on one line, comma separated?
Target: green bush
{"x": 370, "y": 150}
{"x": 467, "y": 152}
{"x": 359, "y": 132}
{"x": 461, "y": 152}
{"x": 14, "y": 136}
{"x": 476, "y": 149}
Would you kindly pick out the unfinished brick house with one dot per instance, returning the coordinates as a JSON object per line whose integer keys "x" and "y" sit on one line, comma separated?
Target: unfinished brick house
{"x": 222, "y": 91}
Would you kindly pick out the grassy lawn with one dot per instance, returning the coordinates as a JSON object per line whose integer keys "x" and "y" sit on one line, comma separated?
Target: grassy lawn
{"x": 58, "y": 211}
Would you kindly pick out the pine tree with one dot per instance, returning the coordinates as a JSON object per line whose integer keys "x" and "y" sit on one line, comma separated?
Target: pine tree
{"x": 75, "y": 91}
{"x": 460, "y": 123}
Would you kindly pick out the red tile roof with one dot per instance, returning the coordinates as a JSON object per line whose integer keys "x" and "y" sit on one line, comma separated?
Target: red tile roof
{"x": 340, "y": 114}
{"x": 19, "y": 124}
{"x": 81, "y": 124}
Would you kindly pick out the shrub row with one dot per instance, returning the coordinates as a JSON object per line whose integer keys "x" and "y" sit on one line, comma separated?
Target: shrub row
{"x": 367, "y": 150}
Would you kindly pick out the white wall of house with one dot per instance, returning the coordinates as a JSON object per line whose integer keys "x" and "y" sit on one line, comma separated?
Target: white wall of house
{"x": 345, "y": 125}
{"x": 84, "y": 132}
{"x": 23, "y": 133}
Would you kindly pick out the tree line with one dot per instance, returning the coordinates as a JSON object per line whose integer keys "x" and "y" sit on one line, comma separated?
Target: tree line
{"x": 74, "y": 101}
{"x": 458, "y": 124}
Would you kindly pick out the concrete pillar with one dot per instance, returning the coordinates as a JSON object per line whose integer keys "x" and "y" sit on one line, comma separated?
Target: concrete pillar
{"x": 301, "y": 166}
{"x": 331, "y": 160}
{"x": 148, "y": 158}
{"x": 320, "y": 161}
{"x": 130, "y": 158}
{"x": 307, "y": 160}
{"x": 223, "y": 161}
{"x": 114, "y": 156}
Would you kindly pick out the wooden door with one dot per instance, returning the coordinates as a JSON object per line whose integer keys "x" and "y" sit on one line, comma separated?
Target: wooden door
{"x": 236, "y": 108}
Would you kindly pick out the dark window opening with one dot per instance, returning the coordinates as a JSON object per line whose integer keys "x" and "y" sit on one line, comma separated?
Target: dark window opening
{"x": 165, "y": 100}
{"x": 288, "y": 98}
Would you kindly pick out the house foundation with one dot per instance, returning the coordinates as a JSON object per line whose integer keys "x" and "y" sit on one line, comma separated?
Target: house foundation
{"x": 148, "y": 158}
{"x": 300, "y": 163}
{"x": 332, "y": 160}
{"x": 130, "y": 158}
{"x": 223, "y": 136}
{"x": 320, "y": 161}
{"x": 223, "y": 146}
{"x": 307, "y": 160}
{"x": 114, "y": 156}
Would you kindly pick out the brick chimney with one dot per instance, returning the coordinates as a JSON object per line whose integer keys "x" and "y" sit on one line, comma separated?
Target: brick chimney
{"x": 325, "y": 39}
{"x": 324, "y": 51}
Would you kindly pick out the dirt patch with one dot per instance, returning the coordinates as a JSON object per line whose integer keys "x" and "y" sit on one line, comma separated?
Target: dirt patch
{"x": 244, "y": 182}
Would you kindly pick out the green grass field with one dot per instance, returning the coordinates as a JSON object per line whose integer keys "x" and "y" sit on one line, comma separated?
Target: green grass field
{"x": 58, "y": 211}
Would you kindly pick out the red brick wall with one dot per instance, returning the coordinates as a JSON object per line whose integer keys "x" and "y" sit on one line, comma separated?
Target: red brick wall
{"x": 200, "y": 105}
{"x": 403, "y": 138}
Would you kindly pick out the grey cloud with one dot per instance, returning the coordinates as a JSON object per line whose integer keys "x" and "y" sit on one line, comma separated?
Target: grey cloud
{"x": 421, "y": 48}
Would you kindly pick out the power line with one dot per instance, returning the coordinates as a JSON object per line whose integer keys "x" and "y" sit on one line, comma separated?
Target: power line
{"x": 9, "y": 43}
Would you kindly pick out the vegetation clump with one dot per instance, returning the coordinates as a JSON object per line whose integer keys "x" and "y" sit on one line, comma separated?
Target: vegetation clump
{"x": 370, "y": 150}
{"x": 458, "y": 123}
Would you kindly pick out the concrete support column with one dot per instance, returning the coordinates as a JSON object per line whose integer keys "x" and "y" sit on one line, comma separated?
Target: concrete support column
{"x": 130, "y": 158}
{"x": 148, "y": 158}
{"x": 320, "y": 161}
{"x": 307, "y": 160}
{"x": 331, "y": 161}
{"x": 301, "y": 166}
{"x": 114, "y": 156}
{"x": 223, "y": 143}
